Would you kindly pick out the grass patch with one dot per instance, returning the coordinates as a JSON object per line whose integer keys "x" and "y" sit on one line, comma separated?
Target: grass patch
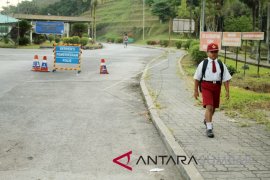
{"x": 243, "y": 103}
{"x": 188, "y": 65}
{"x": 251, "y": 81}
{"x": 154, "y": 95}
{"x": 8, "y": 45}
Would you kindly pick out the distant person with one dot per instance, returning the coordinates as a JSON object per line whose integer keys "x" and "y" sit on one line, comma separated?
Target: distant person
{"x": 125, "y": 40}
{"x": 209, "y": 75}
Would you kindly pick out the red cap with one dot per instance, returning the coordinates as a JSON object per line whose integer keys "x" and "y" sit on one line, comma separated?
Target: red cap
{"x": 212, "y": 47}
{"x": 44, "y": 57}
{"x": 36, "y": 57}
{"x": 102, "y": 60}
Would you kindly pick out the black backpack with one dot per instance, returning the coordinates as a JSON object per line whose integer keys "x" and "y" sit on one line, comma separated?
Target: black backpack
{"x": 205, "y": 62}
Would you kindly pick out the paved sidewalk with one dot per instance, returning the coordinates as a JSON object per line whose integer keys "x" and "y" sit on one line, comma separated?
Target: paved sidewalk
{"x": 234, "y": 153}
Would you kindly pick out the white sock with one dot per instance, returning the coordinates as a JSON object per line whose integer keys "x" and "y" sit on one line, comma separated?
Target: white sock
{"x": 209, "y": 125}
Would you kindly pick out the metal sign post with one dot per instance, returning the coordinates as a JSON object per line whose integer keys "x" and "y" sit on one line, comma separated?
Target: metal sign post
{"x": 236, "y": 59}
{"x": 225, "y": 55}
{"x": 255, "y": 36}
{"x": 245, "y": 65}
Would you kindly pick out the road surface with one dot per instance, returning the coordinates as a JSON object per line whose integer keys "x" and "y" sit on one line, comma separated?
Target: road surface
{"x": 64, "y": 125}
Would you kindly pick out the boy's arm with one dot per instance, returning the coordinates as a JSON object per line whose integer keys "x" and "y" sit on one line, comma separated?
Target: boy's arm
{"x": 227, "y": 88}
{"x": 196, "y": 92}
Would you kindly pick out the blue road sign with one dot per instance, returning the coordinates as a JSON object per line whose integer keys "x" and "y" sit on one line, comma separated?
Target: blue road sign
{"x": 67, "y": 54}
{"x": 49, "y": 27}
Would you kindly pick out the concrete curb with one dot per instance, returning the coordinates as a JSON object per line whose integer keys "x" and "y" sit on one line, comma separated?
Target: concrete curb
{"x": 188, "y": 172}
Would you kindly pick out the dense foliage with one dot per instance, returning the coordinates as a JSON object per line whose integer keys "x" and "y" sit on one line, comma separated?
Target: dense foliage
{"x": 220, "y": 15}
{"x": 57, "y": 7}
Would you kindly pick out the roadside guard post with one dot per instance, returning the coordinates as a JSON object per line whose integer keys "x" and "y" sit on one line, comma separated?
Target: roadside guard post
{"x": 70, "y": 55}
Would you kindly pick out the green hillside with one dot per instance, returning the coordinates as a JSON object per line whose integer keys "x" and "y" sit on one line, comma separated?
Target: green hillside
{"x": 115, "y": 17}
{"x": 42, "y": 3}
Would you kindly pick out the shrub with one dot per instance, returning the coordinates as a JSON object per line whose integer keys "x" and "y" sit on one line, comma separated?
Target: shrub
{"x": 151, "y": 42}
{"x": 231, "y": 70}
{"x": 184, "y": 45}
{"x": 75, "y": 40}
{"x": 39, "y": 39}
{"x": 6, "y": 40}
{"x": 196, "y": 54}
{"x": 193, "y": 43}
{"x": 164, "y": 43}
{"x": 23, "y": 41}
{"x": 66, "y": 40}
{"x": 111, "y": 39}
{"x": 84, "y": 41}
{"x": 91, "y": 40}
{"x": 187, "y": 44}
{"x": 51, "y": 38}
{"x": 57, "y": 40}
{"x": 85, "y": 35}
{"x": 178, "y": 44}
{"x": 118, "y": 40}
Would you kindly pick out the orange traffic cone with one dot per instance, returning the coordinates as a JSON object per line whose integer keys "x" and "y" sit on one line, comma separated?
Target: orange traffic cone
{"x": 36, "y": 65}
{"x": 44, "y": 65}
{"x": 103, "y": 68}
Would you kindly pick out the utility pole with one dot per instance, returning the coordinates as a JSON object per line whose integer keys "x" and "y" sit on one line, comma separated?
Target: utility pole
{"x": 18, "y": 35}
{"x": 143, "y": 20}
{"x": 268, "y": 32}
{"x": 202, "y": 15}
{"x": 260, "y": 28}
{"x": 190, "y": 16}
{"x": 258, "y": 57}
{"x": 7, "y": 13}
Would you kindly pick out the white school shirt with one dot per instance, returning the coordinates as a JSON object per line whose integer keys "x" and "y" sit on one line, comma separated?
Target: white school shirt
{"x": 209, "y": 75}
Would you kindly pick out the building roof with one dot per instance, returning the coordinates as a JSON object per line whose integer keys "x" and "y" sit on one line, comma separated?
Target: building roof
{"x": 52, "y": 18}
{"x": 7, "y": 19}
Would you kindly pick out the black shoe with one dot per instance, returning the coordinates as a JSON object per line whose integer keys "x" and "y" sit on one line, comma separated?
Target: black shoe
{"x": 209, "y": 133}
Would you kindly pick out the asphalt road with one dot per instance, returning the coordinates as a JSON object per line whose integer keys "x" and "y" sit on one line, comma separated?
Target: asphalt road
{"x": 64, "y": 125}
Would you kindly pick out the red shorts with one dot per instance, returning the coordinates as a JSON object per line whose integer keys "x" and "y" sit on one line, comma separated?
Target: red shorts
{"x": 211, "y": 94}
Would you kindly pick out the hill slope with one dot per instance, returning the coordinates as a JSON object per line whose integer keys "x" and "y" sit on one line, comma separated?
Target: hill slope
{"x": 43, "y": 3}
{"x": 114, "y": 17}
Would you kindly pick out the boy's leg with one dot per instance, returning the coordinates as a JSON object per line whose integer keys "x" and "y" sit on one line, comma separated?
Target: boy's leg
{"x": 209, "y": 112}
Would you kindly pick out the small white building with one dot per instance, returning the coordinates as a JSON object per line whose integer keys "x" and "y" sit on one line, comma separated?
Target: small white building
{"x": 6, "y": 23}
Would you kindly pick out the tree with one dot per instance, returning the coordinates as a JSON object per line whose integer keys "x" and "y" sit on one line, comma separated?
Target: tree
{"x": 24, "y": 27}
{"x": 213, "y": 20}
{"x": 9, "y": 10}
{"x": 67, "y": 7}
{"x": 78, "y": 29}
{"x": 183, "y": 11}
{"x": 238, "y": 24}
{"x": 25, "y": 7}
{"x": 93, "y": 8}
{"x": 164, "y": 9}
{"x": 238, "y": 16}
{"x": 20, "y": 29}
{"x": 235, "y": 9}
{"x": 254, "y": 6}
